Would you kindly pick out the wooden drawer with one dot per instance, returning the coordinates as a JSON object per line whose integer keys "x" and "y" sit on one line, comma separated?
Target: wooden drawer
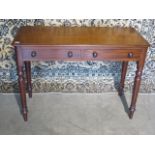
{"x": 118, "y": 55}
{"x": 51, "y": 54}
{"x": 36, "y": 54}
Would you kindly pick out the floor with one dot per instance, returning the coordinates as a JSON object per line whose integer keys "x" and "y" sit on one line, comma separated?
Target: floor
{"x": 61, "y": 114}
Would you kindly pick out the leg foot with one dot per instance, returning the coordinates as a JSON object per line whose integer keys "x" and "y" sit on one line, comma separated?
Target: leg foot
{"x": 25, "y": 117}
{"x": 25, "y": 114}
{"x": 131, "y": 112}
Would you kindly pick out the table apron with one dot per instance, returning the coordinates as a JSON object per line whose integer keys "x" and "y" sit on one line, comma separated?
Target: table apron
{"x": 81, "y": 55}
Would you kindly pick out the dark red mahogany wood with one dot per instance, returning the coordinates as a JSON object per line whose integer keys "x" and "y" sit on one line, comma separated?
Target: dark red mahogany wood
{"x": 40, "y": 43}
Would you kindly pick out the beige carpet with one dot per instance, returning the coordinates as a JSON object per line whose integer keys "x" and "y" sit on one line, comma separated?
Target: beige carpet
{"x": 57, "y": 113}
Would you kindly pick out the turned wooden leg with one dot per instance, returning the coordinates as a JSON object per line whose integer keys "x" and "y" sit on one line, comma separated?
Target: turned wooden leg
{"x": 22, "y": 91}
{"x": 28, "y": 76}
{"x": 123, "y": 75}
{"x": 135, "y": 89}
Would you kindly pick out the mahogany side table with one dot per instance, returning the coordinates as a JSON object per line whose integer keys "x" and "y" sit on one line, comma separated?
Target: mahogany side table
{"x": 41, "y": 43}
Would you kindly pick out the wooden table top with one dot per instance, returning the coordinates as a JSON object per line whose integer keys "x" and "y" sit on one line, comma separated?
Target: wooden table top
{"x": 107, "y": 36}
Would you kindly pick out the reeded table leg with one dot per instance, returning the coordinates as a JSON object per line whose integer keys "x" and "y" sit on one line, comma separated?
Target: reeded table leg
{"x": 123, "y": 75}
{"x": 28, "y": 76}
{"x": 136, "y": 89}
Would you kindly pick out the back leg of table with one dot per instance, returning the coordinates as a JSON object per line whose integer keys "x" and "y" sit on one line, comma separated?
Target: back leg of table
{"x": 123, "y": 75}
{"x": 28, "y": 76}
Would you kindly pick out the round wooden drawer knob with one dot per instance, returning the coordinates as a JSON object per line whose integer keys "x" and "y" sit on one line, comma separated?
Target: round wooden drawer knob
{"x": 70, "y": 54}
{"x": 33, "y": 53}
{"x": 94, "y": 54}
{"x": 130, "y": 55}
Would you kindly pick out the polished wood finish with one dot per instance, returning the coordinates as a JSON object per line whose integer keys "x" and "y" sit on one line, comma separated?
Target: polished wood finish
{"x": 106, "y": 36}
{"x": 20, "y": 65}
{"x": 123, "y": 75}
{"x": 140, "y": 65}
{"x": 28, "y": 76}
{"x": 40, "y": 43}
{"x": 48, "y": 53}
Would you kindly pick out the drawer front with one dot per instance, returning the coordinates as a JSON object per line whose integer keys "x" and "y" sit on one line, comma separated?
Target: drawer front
{"x": 118, "y": 55}
{"x": 51, "y": 54}
{"x": 79, "y": 54}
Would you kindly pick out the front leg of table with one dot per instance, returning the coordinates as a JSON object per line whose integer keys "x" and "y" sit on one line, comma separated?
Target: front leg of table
{"x": 21, "y": 81}
{"x": 123, "y": 75}
{"x": 136, "y": 87}
{"x": 28, "y": 76}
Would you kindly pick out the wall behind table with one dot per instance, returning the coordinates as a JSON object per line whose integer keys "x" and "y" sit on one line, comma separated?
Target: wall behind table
{"x": 59, "y": 76}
